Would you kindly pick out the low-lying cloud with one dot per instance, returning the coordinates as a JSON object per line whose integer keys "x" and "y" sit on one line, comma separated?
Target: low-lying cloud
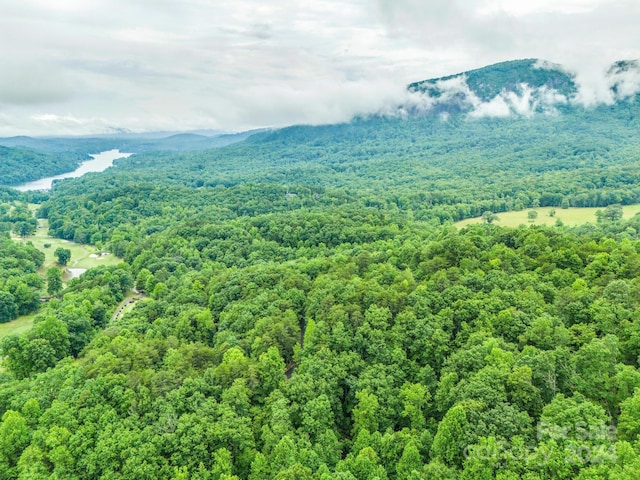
{"x": 163, "y": 64}
{"x": 618, "y": 83}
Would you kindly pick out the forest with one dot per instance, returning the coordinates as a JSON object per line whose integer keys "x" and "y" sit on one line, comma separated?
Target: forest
{"x": 309, "y": 311}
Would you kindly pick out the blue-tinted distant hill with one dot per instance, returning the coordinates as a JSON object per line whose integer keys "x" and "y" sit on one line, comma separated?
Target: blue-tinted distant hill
{"x": 186, "y": 142}
{"x": 133, "y": 143}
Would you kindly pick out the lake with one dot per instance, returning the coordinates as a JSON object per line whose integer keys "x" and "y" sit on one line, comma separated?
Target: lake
{"x": 100, "y": 161}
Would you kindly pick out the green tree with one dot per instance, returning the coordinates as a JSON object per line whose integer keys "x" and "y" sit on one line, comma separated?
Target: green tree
{"x": 54, "y": 281}
{"x": 415, "y": 398}
{"x": 26, "y": 299}
{"x": 450, "y": 440}
{"x": 366, "y": 412}
{"x": 14, "y": 437}
{"x": 613, "y": 213}
{"x": 410, "y": 463}
{"x": 25, "y": 229}
{"x": 142, "y": 278}
{"x": 629, "y": 422}
{"x": 63, "y": 255}
{"x": 8, "y": 307}
{"x": 489, "y": 217}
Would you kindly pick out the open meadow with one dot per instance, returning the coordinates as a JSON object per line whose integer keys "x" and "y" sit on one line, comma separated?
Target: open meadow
{"x": 568, "y": 216}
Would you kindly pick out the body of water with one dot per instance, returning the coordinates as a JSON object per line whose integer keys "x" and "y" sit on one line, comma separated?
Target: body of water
{"x": 99, "y": 162}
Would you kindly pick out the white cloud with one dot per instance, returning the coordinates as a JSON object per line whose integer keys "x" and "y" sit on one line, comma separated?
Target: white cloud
{"x": 496, "y": 107}
{"x": 231, "y": 65}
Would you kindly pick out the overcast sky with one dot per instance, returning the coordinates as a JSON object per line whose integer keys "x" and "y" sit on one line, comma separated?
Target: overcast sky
{"x": 91, "y": 66}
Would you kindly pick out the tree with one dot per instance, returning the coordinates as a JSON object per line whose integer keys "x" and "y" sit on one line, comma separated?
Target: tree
{"x": 365, "y": 413}
{"x": 54, "y": 281}
{"x": 414, "y": 398}
{"x": 14, "y": 437}
{"x": 629, "y": 423}
{"x": 449, "y": 442}
{"x": 63, "y": 255}
{"x": 532, "y": 215}
{"x": 25, "y": 229}
{"x": 142, "y": 278}
{"x": 410, "y": 462}
{"x": 613, "y": 213}
{"x": 489, "y": 217}
{"x": 8, "y": 307}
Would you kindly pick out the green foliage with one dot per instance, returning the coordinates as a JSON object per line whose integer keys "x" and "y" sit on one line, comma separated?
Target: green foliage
{"x": 489, "y": 217}
{"x": 19, "y": 282}
{"x": 54, "y": 281}
{"x": 8, "y": 307}
{"x": 63, "y": 255}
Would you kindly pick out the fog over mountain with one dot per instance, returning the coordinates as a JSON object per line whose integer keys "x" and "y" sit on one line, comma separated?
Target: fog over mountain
{"x": 72, "y": 67}
{"x": 522, "y": 88}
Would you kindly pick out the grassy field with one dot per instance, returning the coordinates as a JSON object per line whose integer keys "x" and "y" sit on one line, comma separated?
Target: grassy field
{"x": 82, "y": 256}
{"x": 19, "y": 325}
{"x": 568, "y": 216}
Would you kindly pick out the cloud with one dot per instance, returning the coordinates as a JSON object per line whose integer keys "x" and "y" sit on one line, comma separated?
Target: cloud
{"x": 497, "y": 107}
{"x": 231, "y": 65}
{"x": 624, "y": 79}
{"x": 454, "y": 94}
{"x": 26, "y": 83}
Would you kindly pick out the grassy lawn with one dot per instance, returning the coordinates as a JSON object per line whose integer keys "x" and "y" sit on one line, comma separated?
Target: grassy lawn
{"x": 569, "y": 216}
{"x": 21, "y": 324}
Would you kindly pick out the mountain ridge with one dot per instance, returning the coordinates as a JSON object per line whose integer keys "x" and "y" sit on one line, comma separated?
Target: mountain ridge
{"x": 524, "y": 86}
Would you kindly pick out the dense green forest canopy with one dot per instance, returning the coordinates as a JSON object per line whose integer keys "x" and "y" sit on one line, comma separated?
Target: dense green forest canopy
{"x": 273, "y": 348}
{"x": 310, "y": 313}
{"x": 19, "y": 282}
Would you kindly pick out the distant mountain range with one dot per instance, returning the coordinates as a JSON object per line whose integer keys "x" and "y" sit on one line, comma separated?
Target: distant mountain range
{"x": 131, "y": 142}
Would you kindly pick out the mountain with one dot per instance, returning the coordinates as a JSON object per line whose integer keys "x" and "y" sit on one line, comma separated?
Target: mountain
{"x": 188, "y": 142}
{"x": 623, "y": 77}
{"x": 439, "y": 169}
{"x": 523, "y": 87}
{"x": 488, "y": 82}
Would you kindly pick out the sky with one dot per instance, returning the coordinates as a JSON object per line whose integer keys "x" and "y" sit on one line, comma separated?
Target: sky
{"x": 98, "y": 66}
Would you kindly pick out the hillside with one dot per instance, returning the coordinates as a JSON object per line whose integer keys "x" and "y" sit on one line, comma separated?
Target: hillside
{"x": 20, "y": 165}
